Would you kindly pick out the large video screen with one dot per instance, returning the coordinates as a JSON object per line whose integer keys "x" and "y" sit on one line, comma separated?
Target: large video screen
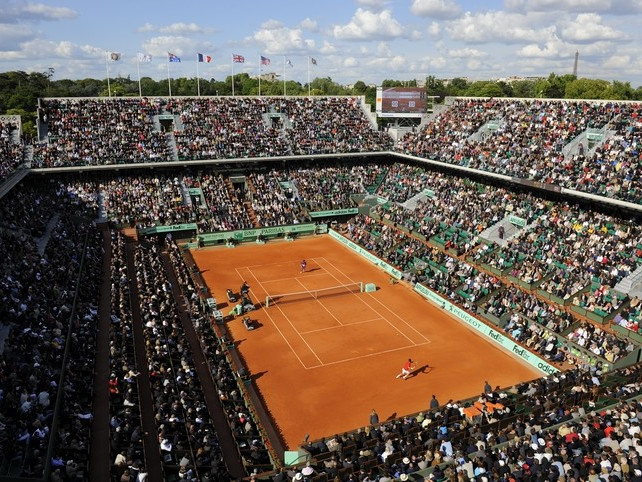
{"x": 401, "y": 101}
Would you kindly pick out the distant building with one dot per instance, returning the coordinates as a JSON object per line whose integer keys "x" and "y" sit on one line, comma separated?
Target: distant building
{"x": 268, "y": 76}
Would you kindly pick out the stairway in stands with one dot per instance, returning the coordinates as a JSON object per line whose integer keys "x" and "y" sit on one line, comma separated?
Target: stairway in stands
{"x": 249, "y": 186}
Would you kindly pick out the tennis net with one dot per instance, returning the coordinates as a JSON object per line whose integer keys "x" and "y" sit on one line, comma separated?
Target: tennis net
{"x": 313, "y": 294}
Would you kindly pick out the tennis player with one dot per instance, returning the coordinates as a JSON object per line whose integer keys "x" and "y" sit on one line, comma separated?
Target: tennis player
{"x": 407, "y": 369}
{"x": 303, "y": 266}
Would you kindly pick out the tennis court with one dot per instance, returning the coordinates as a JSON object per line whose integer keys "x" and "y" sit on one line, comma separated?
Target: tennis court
{"x": 325, "y": 353}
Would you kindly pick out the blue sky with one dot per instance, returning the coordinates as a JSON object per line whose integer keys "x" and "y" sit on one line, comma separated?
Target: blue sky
{"x": 351, "y": 40}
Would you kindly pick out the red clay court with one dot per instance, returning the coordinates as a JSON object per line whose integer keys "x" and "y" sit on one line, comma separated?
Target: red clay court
{"x": 323, "y": 363}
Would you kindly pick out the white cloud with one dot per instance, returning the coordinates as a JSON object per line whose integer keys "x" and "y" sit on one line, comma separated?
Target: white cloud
{"x": 11, "y": 36}
{"x": 397, "y": 63}
{"x": 176, "y": 44}
{"x": 431, "y": 64}
{"x": 271, "y": 24}
{"x": 349, "y": 62}
{"x": 327, "y": 48}
{"x": 618, "y": 62}
{"x": 309, "y": 24}
{"x": 434, "y": 29}
{"x": 466, "y": 53}
{"x": 146, "y": 27}
{"x": 177, "y": 28}
{"x": 39, "y": 49}
{"x": 277, "y": 39}
{"x": 496, "y": 26}
{"x": 588, "y": 27}
{"x": 32, "y": 12}
{"x": 616, "y": 7}
{"x": 374, "y": 5}
{"x": 436, "y": 8}
{"x": 474, "y": 64}
{"x": 384, "y": 50}
{"x": 183, "y": 28}
{"x": 367, "y": 25}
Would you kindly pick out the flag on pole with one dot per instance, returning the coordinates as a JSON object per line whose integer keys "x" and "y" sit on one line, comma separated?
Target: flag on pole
{"x": 289, "y": 63}
{"x": 204, "y": 58}
{"x": 115, "y": 56}
{"x": 313, "y": 60}
{"x": 239, "y": 59}
{"x": 173, "y": 58}
{"x": 144, "y": 57}
{"x": 265, "y": 60}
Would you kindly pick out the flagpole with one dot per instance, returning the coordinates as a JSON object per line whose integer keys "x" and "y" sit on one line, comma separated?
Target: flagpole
{"x": 284, "y": 87}
{"x": 169, "y": 82}
{"x": 232, "y": 76}
{"x": 309, "y": 94}
{"x": 260, "y": 63}
{"x": 198, "y": 79}
{"x": 140, "y": 92}
{"x": 107, "y": 65}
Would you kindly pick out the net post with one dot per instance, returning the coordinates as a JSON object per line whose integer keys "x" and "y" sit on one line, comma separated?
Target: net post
{"x": 267, "y": 301}
{"x": 361, "y": 286}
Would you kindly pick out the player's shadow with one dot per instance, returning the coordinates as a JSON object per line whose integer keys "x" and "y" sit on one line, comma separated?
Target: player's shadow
{"x": 256, "y": 376}
{"x": 392, "y": 417}
{"x": 423, "y": 370}
{"x": 310, "y": 270}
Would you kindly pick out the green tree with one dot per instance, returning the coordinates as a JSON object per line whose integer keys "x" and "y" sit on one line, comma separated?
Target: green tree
{"x": 524, "y": 88}
{"x": 457, "y": 86}
{"x": 622, "y": 90}
{"x": 359, "y": 87}
{"x": 587, "y": 89}
{"x": 484, "y": 89}
{"x": 435, "y": 87}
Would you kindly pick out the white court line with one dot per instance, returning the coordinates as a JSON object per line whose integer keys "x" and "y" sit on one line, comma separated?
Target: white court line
{"x": 367, "y": 356}
{"x": 295, "y": 277}
{"x": 297, "y": 263}
{"x": 342, "y": 326}
{"x": 322, "y": 305}
{"x": 375, "y": 299}
{"x": 276, "y": 326}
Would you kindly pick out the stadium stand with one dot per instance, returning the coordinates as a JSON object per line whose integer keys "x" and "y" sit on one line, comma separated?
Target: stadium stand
{"x": 550, "y": 282}
{"x": 582, "y": 145}
{"x": 11, "y": 148}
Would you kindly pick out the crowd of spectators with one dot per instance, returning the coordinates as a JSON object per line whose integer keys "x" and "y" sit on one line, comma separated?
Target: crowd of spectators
{"x": 598, "y": 341}
{"x": 328, "y": 125}
{"x": 50, "y": 340}
{"x": 445, "y": 195}
{"x": 323, "y": 188}
{"x": 528, "y": 138}
{"x": 84, "y": 131}
{"x": 575, "y": 255}
{"x": 187, "y": 439}
{"x": 229, "y": 381}
{"x": 272, "y": 203}
{"x": 549, "y": 429}
{"x": 132, "y": 130}
{"x": 525, "y": 318}
{"x": 568, "y": 249}
{"x": 11, "y": 149}
{"x": 146, "y": 200}
{"x": 613, "y": 168}
{"x": 225, "y": 204}
{"x": 631, "y": 316}
{"x": 125, "y": 426}
{"x": 225, "y": 127}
